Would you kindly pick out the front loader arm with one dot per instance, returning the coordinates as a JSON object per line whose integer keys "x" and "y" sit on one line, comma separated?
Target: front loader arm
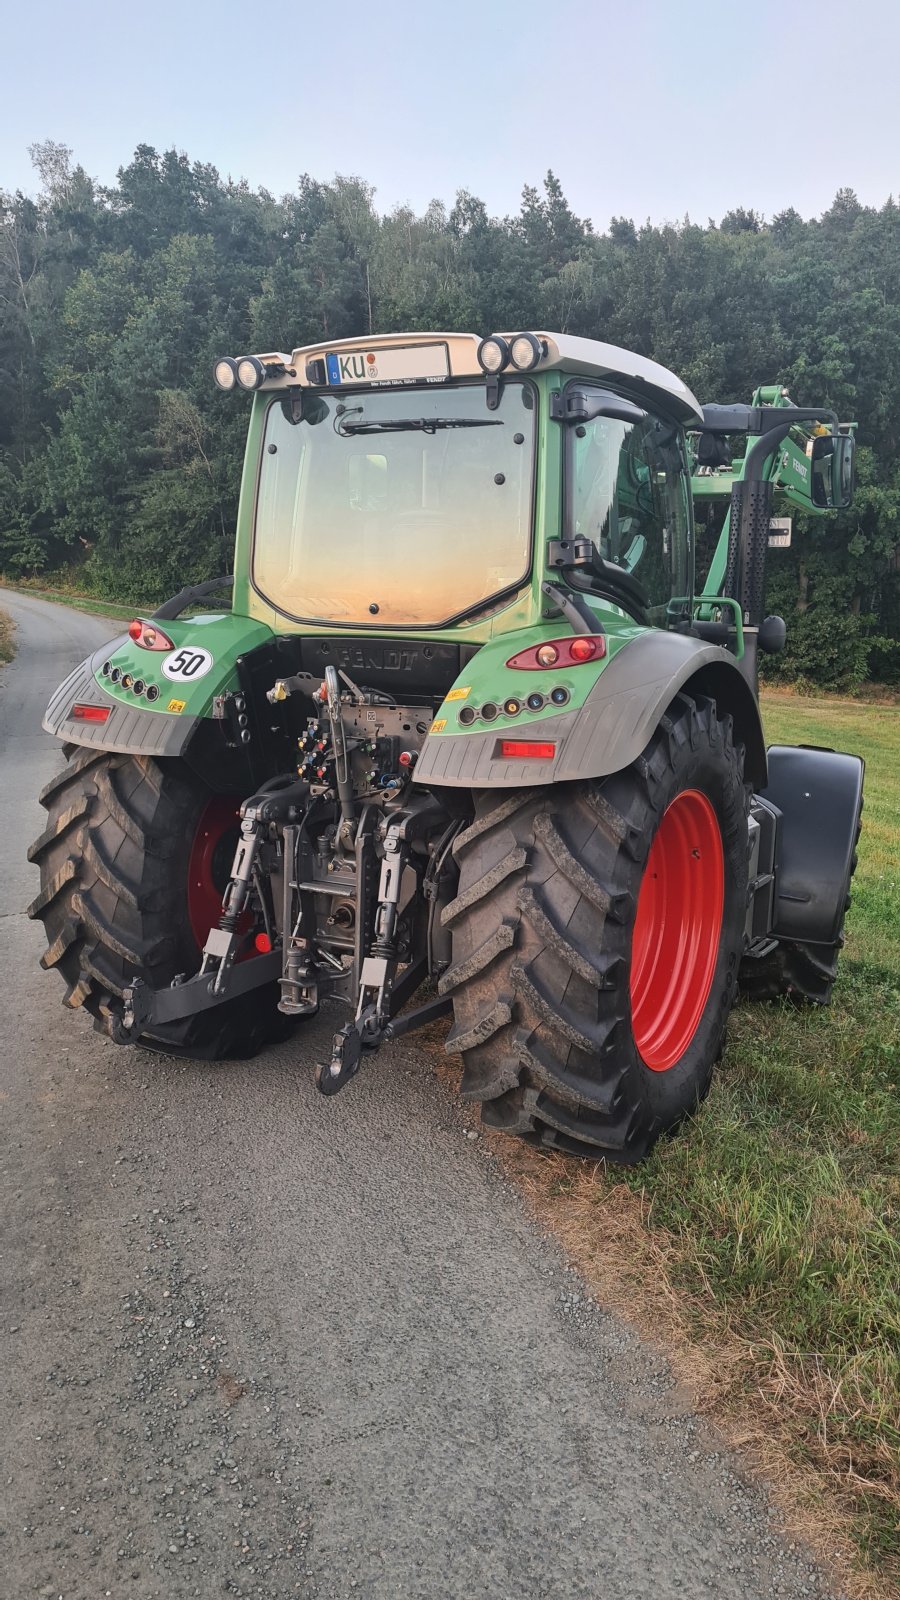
{"x": 788, "y": 467}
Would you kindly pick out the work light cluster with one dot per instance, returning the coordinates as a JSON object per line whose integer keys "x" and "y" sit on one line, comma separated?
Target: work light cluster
{"x": 247, "y": 372}
{"x": 522, "y": 351}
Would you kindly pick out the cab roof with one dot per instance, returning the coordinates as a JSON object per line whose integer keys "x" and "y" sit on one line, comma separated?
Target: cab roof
{"x": 587, "y": 358}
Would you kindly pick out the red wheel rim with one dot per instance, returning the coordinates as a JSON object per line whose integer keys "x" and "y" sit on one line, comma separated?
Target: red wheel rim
{"x": 212, "y": 853}
{"x": 676, "y": 930}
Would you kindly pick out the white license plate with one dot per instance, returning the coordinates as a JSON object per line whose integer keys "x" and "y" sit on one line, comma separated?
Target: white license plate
{"x": 410, "y": 363}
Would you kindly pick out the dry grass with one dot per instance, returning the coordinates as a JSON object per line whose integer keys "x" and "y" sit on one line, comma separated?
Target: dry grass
{"x": 7, "y": 641}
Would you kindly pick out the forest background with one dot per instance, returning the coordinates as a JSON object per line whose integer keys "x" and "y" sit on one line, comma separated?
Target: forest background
{"x": 120, "y": 461}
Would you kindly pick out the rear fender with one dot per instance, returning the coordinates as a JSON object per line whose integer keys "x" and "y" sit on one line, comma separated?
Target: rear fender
{"x": 169, "y": 724}
{"x": 818, "y": 795}
{"x": 610, "y": 729}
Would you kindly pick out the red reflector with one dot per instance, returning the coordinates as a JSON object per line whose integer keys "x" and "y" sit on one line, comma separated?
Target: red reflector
{"x": 263, "y": 943}
{"x": 82, "y": 713}
{"x": 519, "y": 749}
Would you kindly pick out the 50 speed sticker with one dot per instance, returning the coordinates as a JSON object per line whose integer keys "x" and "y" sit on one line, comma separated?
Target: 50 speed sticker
{"x": 186, "y": 664}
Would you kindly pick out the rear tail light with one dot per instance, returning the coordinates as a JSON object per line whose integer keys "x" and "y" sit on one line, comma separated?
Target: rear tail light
{"x": 148, "y": 636}
{"x": 570, "y": 652}
{"x": 83, "y": 713}
{"x": 522, "y": 749}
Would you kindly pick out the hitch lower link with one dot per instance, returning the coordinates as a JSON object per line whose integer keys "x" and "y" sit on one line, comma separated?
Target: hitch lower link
{"x": 220, "y": 976}
{"x": 373, "y": 1024}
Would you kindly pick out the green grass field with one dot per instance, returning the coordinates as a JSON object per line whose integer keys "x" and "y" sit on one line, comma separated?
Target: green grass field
{"x": 784, "y": 1196}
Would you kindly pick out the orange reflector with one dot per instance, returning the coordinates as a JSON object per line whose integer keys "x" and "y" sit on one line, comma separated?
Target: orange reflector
{"x": 263, "y": 943}
{"x": 82, "y": 713}
{"x": 518, "y": 749}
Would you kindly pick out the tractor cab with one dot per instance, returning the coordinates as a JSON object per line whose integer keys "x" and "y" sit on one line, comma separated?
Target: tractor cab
{"x": 413, "y": 484}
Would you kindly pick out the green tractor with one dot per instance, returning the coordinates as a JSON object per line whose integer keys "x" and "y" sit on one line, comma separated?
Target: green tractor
{"x": 469, "y": 739}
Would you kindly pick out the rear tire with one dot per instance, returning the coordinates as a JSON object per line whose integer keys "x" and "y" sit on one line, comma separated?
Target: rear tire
{"x": 114, "y": 860}
{"x": 555, "y": 1022}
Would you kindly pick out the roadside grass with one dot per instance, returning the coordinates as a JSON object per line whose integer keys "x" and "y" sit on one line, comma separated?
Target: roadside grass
{"x": 762, "y": 1244}
{"x": 70, "y": 597}
{"x": 79, "y": 600}
{"x": 7, "y": 638}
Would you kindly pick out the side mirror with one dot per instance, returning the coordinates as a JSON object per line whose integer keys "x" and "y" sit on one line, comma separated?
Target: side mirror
{"x": 833, "y": 475}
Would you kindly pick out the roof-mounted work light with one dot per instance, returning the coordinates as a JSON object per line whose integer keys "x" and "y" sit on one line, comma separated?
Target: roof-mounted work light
{"x": 525, "y": 351}
{"x": 493, "y": 354}
{"x": 250, "y": 372}
{"x": 225, "y": 373}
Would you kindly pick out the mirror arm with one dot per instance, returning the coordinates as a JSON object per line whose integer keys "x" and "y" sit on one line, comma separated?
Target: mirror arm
{"x": 760, "y": 419}
{"x": 574, "y": 405}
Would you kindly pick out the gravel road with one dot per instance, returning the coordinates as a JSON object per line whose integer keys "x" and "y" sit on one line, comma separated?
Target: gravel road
{"x": 257, "y": 1343}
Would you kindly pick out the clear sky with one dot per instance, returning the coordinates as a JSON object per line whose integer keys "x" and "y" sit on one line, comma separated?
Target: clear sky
{"x": 643, "y": 108}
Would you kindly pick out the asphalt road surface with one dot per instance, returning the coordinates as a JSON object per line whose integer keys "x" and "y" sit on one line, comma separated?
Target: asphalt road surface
{"x": 258, "y": 1343}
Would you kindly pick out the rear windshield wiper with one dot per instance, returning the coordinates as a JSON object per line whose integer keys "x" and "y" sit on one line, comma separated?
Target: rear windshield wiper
{"x": 417, "y": 424}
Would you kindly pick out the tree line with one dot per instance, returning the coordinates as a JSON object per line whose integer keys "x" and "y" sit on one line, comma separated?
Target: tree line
{"x": 120, "y": 462}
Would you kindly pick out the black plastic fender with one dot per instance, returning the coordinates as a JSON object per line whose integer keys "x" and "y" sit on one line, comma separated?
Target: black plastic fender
{"x": 613, "y": 726}
{"x": 818, "y": 794}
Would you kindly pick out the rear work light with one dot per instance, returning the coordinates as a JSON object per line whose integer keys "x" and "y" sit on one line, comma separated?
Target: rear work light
{"x": 521, "y": 749}
{"x": 83, "y": 713}
{"x": 148, "y": 636}
{"x": 571, "y": 652}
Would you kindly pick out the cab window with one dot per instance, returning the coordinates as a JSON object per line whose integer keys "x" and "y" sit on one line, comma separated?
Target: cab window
{"x": 628, "y": 490}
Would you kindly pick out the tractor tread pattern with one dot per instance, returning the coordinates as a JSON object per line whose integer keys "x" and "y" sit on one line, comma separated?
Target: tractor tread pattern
{"x": 113, "y": 865}
{"x": 541, "y": 947}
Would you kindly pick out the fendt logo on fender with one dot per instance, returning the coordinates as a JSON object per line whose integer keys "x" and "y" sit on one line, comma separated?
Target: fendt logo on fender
{"x": 387, "y": 660}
